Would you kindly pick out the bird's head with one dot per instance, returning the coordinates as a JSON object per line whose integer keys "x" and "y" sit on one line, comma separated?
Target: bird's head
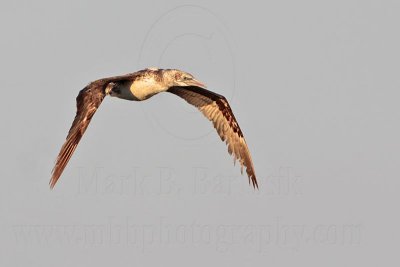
{"x": 181, "y": 78}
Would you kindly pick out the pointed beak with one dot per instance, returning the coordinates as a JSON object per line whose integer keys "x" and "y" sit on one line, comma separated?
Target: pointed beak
{"x": 195, "y": 82}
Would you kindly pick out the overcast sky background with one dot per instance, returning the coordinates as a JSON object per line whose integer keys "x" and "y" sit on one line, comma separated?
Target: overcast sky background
{"x": 314, "y": 86}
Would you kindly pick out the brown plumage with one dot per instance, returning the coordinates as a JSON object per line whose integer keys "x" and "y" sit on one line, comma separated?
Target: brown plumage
{"x": 142, "y": 85}
{"x": 216, "y": 108}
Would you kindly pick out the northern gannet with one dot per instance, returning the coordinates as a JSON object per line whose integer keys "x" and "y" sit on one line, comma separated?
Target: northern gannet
{"x": 143, "y": 84}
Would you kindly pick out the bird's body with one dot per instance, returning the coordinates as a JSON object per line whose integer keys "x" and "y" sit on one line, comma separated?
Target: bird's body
{"x": 141, "y": 85}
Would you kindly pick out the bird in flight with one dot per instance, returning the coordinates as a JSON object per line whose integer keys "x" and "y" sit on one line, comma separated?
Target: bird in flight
{"x": 143, "y": 84}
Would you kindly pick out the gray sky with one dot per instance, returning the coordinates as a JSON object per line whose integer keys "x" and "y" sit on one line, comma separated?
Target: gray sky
{"x": 313, "y": 84}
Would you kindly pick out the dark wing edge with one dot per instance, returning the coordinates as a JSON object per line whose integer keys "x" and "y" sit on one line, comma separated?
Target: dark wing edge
{"x": 87, "y": 103}
{"x": 216, "y": 108}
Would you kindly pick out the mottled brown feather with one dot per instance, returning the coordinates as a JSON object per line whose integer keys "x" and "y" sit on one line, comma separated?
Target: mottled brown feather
{"x": 87, "y": 103}
{"x": 217, "y": 109}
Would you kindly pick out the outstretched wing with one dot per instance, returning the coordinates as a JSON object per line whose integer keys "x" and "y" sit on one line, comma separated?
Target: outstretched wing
{"x": 216, "y": 108}
{"x": 87, "y": 102}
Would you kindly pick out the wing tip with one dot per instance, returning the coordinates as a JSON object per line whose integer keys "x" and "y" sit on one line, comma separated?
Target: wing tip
{"x": 52, "y": 182}
{"x": 254, "y": 182}
{"x": 51, "y": 185}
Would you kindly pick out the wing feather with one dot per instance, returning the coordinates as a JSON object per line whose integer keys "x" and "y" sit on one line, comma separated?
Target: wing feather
{"x": 87, "y": 103}
{"x": 216, "y": 108}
